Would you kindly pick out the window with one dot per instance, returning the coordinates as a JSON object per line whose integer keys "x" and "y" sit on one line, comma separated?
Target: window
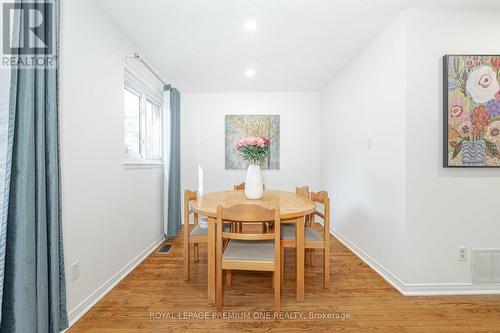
{"x": 143, "y": 122}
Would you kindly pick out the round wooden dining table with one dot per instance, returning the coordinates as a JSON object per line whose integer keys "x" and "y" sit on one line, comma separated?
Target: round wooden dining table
{"x": 293, "y": 209}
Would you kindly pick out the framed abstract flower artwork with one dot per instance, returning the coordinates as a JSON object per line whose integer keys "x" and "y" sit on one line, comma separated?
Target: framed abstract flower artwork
{"x": 251, "y": 127}
{"x": 471, "y": 111}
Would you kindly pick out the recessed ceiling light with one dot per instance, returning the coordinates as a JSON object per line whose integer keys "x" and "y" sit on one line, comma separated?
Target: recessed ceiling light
{"x": 249, "y": 72}
{"x": 250, "y": 25}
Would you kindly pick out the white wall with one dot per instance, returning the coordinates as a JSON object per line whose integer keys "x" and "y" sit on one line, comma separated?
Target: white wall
{"x": 203, "y": 142}
{"x": 447, "y": 208}
{"x": 395, "y": 204}
{"x": 366, "y": 99}
{"x": 110, "y": 214}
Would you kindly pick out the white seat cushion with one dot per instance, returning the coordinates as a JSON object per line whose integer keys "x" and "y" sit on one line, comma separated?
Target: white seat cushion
{"x": 199, "y": 231}
{"x": 288, "y": 233}
{"x": 246, "y": 250}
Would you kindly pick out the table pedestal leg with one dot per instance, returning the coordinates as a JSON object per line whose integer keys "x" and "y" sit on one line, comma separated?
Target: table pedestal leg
{"x": 299, "y": 229}
{"x": 211, "y": 261}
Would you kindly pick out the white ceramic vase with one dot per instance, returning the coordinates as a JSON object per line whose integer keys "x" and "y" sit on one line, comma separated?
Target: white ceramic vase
{"x": 254, "y": 188}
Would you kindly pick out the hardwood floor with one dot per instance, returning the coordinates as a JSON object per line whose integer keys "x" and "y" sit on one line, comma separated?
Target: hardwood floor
{"x": 154, "y": 298}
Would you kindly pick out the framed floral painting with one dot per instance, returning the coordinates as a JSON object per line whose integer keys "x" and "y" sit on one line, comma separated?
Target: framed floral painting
{"x": 252, "y": 126}
{"x": 471, "y": 111}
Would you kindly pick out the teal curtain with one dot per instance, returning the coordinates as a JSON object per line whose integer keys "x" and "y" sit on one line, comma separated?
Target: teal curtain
{"x": 174, "y": 174}
{"x": 34, "y": 296}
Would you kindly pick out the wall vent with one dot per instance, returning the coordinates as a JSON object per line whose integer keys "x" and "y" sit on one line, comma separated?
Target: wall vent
{"x": 485, "y": 266}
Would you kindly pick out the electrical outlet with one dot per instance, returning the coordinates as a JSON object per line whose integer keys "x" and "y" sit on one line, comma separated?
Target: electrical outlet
{"x": 75, "y": 270}
{"x": 462, "y": 254}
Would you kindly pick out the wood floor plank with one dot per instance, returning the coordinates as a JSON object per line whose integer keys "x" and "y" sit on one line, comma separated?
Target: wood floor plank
{"x": 155, "y": 298}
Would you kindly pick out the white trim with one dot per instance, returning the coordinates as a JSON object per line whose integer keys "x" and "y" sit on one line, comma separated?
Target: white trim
{"x": 443, "y": 289}
{"x": 392, "y": 279}
{"x": 78, "y": 311}
{"x": 417, "y": 289}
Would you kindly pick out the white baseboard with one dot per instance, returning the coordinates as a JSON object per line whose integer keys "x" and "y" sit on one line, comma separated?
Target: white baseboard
{"x": 443, "y": 289}
{"x": 78, "y": 311}
{"x": 417, "y": 289}
{"x": 392, "y": 279}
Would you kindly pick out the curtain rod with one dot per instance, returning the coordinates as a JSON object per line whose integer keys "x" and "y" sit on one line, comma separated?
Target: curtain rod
{"x": 138, "y": 57}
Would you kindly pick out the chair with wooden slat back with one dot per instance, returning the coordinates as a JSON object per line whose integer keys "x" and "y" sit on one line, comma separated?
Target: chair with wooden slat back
{"x": 239, "y": 226}
{"x": 242, "y": 186}
{"x": 248, "y": 251}
{"x": 304, "y": 191}
{"x": 239, "y": 186}
{"x": 194, "y": 236}
{"x": 313, "y": 238}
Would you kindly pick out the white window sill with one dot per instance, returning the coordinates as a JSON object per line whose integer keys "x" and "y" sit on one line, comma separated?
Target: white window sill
{"x": 142, "y": 164}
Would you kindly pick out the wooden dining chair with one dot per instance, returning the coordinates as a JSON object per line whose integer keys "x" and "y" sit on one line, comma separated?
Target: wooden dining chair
{"x": 194, "y": 236}
{"x": 313, "y": 238}
{"x": 239, "y": 186}
{"x": 248, "y": 251}
{"x": 242, "y": 186}
{"x": 239, "y": 226}
{"x": 309, "y": 255}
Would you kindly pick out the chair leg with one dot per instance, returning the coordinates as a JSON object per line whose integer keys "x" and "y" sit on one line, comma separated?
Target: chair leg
{"x": 196, "y": 252}
{"x": 229, "y": 278}
{"x": 282, "y": 271}
{"x": 186, "y": 259}
{"x": 219, "y": 290}
{"x": 326, "y": 268}
{"x": 277, "y": 289}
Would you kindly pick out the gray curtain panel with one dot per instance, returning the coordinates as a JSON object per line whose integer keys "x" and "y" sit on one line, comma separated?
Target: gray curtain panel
{"x": 174, "y": 178}
{"x": 34, "y": 296}
{"x": 5, "y": 162}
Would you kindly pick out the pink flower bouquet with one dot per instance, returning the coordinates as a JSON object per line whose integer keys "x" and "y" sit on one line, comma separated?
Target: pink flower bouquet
{"x": 253, "y": 149}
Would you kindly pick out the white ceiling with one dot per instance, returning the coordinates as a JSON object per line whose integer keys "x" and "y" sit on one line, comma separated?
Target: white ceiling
{"x": 201, "y": 45}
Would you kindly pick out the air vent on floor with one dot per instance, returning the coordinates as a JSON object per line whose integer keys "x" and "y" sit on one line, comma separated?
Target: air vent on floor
{"x": 166, "y": 248}
{"x": 485, "y": 266}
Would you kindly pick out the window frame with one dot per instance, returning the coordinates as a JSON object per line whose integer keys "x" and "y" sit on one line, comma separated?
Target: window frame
{"x": 154, "y": 103}
{"x": 138, "y": 86}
